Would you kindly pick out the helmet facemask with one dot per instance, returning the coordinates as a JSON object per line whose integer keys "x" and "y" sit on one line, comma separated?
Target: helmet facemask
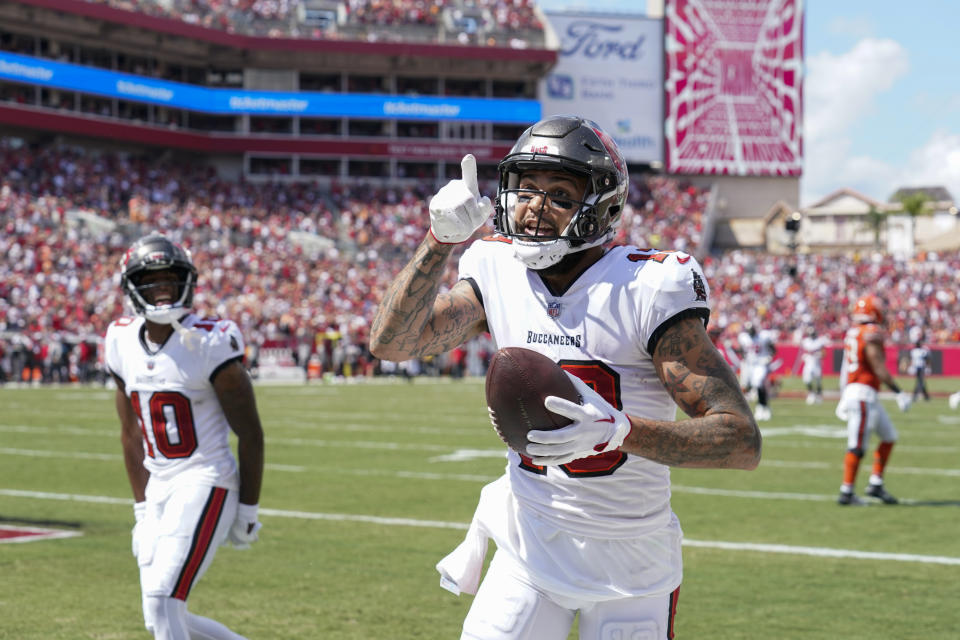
{"x": 152, "y": 254}
{"x": 166, "y": 312}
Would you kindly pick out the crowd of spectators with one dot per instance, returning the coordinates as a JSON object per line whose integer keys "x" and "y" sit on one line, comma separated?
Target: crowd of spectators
{"x": 282, "y": 18}
{"x": 273, "y": 18}
{"x": 67, "y": 214}
{"x": 788, "y": 293}
{"x": 387, "y": 12}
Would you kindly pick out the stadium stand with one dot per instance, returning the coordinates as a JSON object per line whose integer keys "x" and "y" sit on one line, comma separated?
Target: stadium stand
{"x": 67, "y": 213}
{"x": 471, "y": 22}
{"x": 295, "y": 246}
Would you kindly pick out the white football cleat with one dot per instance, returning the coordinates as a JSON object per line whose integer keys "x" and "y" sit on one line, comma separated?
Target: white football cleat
{"x": 811, "y": 398}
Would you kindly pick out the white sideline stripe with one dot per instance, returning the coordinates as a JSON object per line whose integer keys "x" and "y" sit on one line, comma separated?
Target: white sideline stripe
{"x": 823, "y": 552}
{"x": 460, "y": 454}
{"x": 767, "y": 495}
{"x": 342, "y": 427}
{"x": 70, "y": 497}
{"x": 348, "y": 517}
{"x": 35, "y": 453}
{"x": 418, "y": 475}
{"x": 280, "y": 513}
{"x": 791, "y": 464}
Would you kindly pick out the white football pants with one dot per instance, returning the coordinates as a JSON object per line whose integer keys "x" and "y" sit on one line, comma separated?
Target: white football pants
{"x": 507, "y": 607}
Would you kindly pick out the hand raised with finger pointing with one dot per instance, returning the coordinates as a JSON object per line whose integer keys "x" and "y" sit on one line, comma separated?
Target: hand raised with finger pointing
{"x": 458, "y": 209}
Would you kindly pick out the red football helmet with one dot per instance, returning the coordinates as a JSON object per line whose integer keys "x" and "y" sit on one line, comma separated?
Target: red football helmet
{"x": 869, "y": 308}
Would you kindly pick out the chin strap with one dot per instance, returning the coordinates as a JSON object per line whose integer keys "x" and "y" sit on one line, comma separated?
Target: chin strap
{"x": 542, "y": 255}
{"x": 189, "y": 338}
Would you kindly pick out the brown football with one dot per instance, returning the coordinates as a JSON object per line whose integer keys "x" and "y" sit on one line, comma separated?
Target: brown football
{"x": 518, "y": 380}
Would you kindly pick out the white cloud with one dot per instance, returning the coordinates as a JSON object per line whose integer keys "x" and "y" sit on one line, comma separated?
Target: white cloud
{"x": 856, "y": 26}
{"x": 839, "y": 90}
{"x": 936, "y": 163}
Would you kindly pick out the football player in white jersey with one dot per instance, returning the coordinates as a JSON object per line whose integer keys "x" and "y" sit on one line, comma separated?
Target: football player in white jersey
{"x": 181, "y": 388}
{"x": 758, "y": 349}
{"x": 810, "y": 358}
{"x": 583, "y": 522}
{"x": 920, "y": 356}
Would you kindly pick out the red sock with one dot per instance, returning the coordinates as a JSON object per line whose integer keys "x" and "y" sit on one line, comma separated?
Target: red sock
{"x": 851, "y": 463}
{"x": 880, "y": 457}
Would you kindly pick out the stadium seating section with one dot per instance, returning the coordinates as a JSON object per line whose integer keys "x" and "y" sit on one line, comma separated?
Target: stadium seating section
{"x": 474, "y": 22}
{"x": 295, "y": 264}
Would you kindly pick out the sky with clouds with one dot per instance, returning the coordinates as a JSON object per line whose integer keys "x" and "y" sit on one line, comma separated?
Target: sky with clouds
{"x": 881, "y": 93}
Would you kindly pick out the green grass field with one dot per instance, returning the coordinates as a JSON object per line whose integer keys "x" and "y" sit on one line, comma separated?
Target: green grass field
{"x": 367, "y": 486}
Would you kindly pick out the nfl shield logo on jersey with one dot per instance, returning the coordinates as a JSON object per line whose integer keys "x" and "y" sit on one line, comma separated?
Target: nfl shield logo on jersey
{"x": 554, "y": 309}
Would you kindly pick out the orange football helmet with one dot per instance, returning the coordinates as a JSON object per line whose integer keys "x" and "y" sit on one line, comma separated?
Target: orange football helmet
{"x": 869, "y": 308}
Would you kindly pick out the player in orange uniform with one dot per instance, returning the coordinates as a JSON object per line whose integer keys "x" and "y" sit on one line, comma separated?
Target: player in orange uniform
{"x": 864, "y": 369}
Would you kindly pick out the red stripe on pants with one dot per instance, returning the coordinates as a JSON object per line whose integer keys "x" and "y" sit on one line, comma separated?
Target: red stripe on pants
{"x": 673, "y": 612}
{"x": 202, "y": 539}
{"x": 863, "y": 425}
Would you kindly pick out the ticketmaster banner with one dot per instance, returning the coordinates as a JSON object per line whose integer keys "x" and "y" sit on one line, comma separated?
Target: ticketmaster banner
{"x": 71, "y": 77}
{"x": 610, "y": 70}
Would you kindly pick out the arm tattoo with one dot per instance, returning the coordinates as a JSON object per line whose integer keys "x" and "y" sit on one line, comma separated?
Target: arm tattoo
{"x": 720, "y": 431}
{"x": 695, "y": 374}
{"x": 413, "y": 320}
{"x": 456, "y": 314}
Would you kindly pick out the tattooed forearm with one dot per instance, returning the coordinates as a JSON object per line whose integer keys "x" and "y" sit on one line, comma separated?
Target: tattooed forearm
{"x": 456, "y": 315}
{"x": 412, "y": 320}
{"x": 408, "y": 301}
{"x": 720, "y": 431}
{"x": 716, "y": 442}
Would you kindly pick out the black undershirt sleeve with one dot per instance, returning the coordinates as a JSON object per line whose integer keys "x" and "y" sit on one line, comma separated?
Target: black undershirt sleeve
{"x": 476, "y": 289}
{"x": 222, "y": 365}
{"x": 697, "y": 312}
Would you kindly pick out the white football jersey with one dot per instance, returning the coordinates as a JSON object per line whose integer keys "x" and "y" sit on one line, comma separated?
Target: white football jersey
{"x": 185, "y": 430}
{"x": 600, "y": 329}
{"x": 758, "y": 349}
{"x": 811, "y": 350}
{"x": 919, "y": 357}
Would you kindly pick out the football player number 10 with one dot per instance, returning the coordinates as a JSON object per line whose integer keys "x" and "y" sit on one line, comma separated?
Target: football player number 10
{"x": 606, "y": 382}
{"x": 170, "y": 423}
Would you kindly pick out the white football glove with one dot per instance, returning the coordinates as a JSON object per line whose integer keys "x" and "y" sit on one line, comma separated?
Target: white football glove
{"x": 139, "y": 529}
{"x": 244, "y": 530}
{"x": 457, "y": 210}
{"x": 842, "y": 411}
{"x": 904, "y": 400}
{"x": 954, "y": 400}
{"x": 597, "y": 427}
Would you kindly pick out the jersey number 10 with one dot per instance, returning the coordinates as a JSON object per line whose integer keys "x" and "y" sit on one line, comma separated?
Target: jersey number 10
{"x": 171, "y": 424}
